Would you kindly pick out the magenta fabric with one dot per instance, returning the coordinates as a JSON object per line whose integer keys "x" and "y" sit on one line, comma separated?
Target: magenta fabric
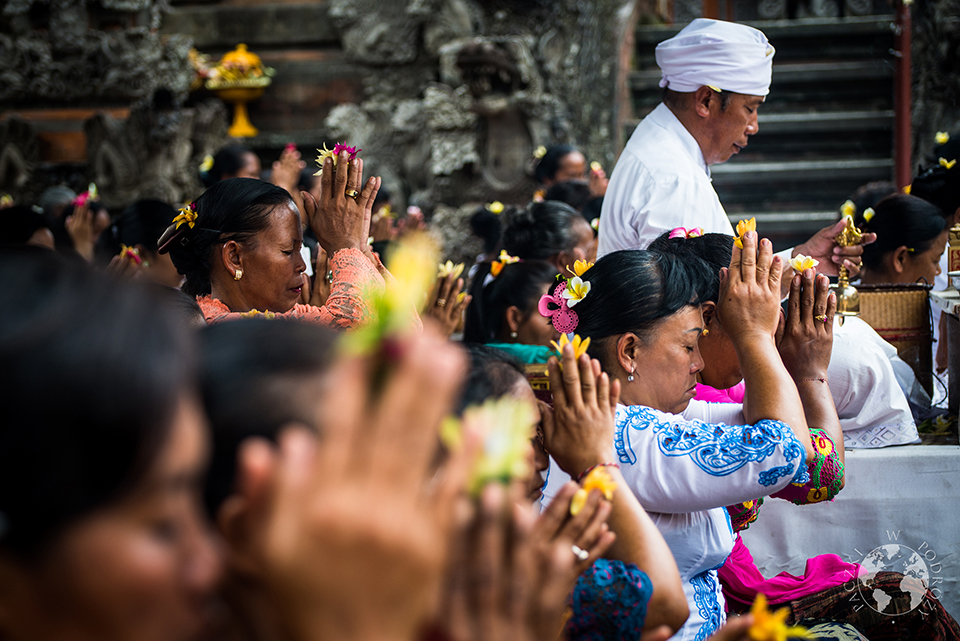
{"x": 742, "y": 581}
{"x": 713, "y": 395}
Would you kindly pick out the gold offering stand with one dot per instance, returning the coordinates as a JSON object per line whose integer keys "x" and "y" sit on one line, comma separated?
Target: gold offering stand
{"x": 240, "y": 78}
{"x": 848, "y": 298}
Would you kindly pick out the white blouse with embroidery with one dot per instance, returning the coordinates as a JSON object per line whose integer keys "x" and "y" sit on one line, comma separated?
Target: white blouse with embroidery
{"x": 684, "y": 471}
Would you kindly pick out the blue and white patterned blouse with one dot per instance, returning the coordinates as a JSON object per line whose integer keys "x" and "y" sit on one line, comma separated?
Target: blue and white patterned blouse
{"x": 684, "y": 471}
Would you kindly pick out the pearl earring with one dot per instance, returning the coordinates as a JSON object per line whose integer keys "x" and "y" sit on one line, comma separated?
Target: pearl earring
{"x": 513, "y": 334}
{"x": 630, "y": 378}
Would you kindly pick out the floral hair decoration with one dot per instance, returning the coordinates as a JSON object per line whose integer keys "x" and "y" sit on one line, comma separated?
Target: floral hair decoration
{"x": 947, "y": 164}
{"x": 505, "y": 259}
{"x": 87, "y": 196}
{"x": 681, "y": 232}
{"x": 187, "y": 215}
{"x": 558, "y": 306}
{"x": 942, "y": 137}
{"x": 496, "y": 207}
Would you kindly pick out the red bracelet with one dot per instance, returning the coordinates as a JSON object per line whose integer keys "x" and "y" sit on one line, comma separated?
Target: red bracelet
{"x": 593, "y": 467}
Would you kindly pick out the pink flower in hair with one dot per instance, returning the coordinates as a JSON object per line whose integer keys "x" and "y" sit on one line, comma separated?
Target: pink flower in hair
{"x": 554, "y": 306}
{"x": 682, "y": 232}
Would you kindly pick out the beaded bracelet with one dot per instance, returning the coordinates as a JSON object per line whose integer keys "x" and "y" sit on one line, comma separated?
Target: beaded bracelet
{"x": 593, "y": 467}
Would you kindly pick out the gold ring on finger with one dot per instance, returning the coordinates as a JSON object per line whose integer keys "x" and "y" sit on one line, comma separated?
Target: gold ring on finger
{"x": 821, "y": 317}
{"x": 441, "y": 302}
{"x": 352, "y": 193}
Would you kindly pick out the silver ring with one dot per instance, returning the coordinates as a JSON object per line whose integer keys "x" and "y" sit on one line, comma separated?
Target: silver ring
{"x": 580, "y": 553}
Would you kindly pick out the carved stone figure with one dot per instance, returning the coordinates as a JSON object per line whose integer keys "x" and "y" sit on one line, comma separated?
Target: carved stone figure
{"x": 19, "y": 157}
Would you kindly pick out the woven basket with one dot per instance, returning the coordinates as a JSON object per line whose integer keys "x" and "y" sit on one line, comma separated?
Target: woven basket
{"x": 900, "y": 313}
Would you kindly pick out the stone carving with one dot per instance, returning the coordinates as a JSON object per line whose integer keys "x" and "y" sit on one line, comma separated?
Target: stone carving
{"x": 68, "y": 61}
{"x": 936, "y": 74}
{"x": 152, "y": 154}
{"x": 19, "y": 157}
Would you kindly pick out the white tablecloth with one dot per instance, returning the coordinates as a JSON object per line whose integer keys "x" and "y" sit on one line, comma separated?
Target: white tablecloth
{"x": 907, "y": 495}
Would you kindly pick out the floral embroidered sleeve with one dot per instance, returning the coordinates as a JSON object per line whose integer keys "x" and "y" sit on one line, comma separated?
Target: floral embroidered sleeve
{"x": 675, "y": 465}
{"x": 347, "y": 306}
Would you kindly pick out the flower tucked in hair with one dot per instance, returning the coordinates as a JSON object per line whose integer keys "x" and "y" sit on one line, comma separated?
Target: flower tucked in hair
{"x": 947, "y": 164}
{"x": 333, "y": 154}
{"x": 580, "y": 267}
{"x": 772, "y": 626}
{"x": 505, "y": 259}
{"x": 579, "y": 346}
{"x": 188, "y": 215}
{"x": 207, "y": 164}
{"x": 682, "y": 232}
{"x": 942, "y": 137}
{"x": 906, "y": 189}
{"x": 6, "y": 200}
{"x": 448, "y": 268}
{"x": 576, "y": 290}
{"x": 598, "y": 479}
{"x": 85, "y": 197}
{"x": 868, "y": 214}
{"x": 496, "y": 207}
{"x": 540, "y": 152}
{"x": 595, "y": 224}
{"x": 742, "y": 228}
{"x": 800, "y": 263}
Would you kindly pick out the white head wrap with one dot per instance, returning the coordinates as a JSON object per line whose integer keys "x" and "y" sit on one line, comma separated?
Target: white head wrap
{"x": 724, "y": 55}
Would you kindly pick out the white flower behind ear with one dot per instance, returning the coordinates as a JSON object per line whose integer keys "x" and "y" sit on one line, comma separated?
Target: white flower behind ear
{"x": 576, "y": 291}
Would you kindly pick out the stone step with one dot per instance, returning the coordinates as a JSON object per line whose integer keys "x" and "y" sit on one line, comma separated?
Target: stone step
{"x": 734, "y": 172}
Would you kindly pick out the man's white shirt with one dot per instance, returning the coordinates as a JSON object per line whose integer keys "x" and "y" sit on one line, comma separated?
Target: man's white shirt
{"x": 660, "y": 182}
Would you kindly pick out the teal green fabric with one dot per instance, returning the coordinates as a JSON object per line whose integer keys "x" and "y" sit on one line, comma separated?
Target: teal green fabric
{"x": 529, "y": 354}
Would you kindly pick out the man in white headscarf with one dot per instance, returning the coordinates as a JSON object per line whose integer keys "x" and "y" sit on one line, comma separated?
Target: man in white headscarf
{"x": 715, "y": 75}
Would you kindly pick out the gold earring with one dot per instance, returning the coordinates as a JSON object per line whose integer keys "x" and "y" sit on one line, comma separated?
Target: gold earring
{"x": 705, "y": 332}
{"x": 237, "y": 275}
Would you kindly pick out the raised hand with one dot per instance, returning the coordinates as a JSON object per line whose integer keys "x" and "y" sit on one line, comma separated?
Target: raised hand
{"x": 823, "y": 246}
{"x": 338, "y": 220}
{"x": 445, "y": 304}
{"x": 353, "y": 531}
{"x": 749, "y": 304}
{"x": 80, "y": 226}
{"x": 805, "y": 341}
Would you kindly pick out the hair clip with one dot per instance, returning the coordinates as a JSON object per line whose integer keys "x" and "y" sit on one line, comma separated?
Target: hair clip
{"x": 942, "y": 137}
{"x": 505, "y": 259}
{"x": 554, "y": 306}
{"x": 682, "y": 232}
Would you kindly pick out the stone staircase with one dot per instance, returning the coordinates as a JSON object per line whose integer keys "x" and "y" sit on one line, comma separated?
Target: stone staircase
{"x": 825, "y": 129}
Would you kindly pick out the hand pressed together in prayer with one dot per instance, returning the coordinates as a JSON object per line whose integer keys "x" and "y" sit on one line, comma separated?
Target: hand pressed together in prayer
{"x": 338, "y": 220}
{"x": 449, "y": 312}
{"x": 511, "y": 571}
{"x": 355, "y": 528}
{"x": 805, "y": 335}
{"x": 749, "y": 305}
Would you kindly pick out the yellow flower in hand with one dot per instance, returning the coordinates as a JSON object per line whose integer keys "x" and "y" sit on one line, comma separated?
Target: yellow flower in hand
{"x": 448, "y": 269}
{"x": 771, "y": 626}
{"x": 801, "y": 263}
{"x": 576, "y": 290}
{"x": 580, "y": 267}
{"x": 947, "y": 164}
{"x": 598, "y": 479}
{"x": 742, "y": 228}
{"x": 579, "y": 346}
{"x": 942, "y": 137}
{"x": 848, "y": 209}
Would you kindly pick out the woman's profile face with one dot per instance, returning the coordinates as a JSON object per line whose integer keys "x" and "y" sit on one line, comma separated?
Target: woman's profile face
{"x": 272, "y": 264}
{"x": 142, "y": 568}
{"x": 535, "y": 329}
{"x": 721, "y": 366}
{"x": 925, "y": 265}
{"x": 667, "y": 364}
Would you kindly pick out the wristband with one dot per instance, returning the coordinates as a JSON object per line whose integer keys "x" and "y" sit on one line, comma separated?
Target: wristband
{"x": 593, "y": 467}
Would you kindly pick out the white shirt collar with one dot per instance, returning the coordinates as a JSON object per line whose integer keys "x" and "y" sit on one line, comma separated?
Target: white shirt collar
{"x": 664, "y": 118}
